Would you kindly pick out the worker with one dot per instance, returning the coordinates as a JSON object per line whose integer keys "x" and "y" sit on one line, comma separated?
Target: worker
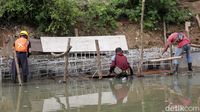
{"x": 120, "y": 65}
{"x": 183, "y": 44}
{"x": 21, "y": 46}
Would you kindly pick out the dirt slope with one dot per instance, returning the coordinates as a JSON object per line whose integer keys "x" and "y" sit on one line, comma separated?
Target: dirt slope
{"x": 132, "y": 31}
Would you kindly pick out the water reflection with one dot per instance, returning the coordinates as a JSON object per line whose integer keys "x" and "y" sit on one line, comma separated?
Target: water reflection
{"x": 120, "y": 90}
{"x": 179, "y": 97}
{"x": 149, "y": 94}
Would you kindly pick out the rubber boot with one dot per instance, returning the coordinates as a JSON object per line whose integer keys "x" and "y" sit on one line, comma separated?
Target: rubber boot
{"x": 190, "y": 66}
{"x": 175, "y": 71}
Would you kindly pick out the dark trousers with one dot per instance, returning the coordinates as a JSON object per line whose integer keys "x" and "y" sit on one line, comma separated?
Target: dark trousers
{"x": 23, "y": 63}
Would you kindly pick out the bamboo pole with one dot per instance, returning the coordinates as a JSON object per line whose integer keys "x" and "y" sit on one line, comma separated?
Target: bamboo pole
{"x": 98, "y": 59}
{"x": 17, "y": 68}
{"x": 141, "y": 40}
{"x": 66, "y": 57}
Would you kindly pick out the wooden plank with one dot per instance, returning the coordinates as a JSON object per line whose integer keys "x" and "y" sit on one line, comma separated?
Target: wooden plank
{"x": 195, "y": 45}
{"x": 156, "y": 72}
{"x": 164, "y": 59}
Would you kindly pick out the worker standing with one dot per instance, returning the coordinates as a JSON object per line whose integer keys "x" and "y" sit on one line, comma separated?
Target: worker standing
{"x": 21, "y": 47}
{"x": 183, "y": 44}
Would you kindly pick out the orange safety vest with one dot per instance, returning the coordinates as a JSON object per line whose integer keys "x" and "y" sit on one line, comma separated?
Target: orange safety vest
{"x": 21, "y": 45}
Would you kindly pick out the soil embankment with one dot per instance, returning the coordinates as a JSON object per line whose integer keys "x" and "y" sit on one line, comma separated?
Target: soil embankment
{"x": 132, "y": 31}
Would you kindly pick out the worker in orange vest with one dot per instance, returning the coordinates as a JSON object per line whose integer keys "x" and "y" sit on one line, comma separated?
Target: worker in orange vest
{"x": 21, "y": 47}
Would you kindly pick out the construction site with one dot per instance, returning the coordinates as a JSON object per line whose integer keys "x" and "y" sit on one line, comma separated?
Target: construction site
{"x": 73, "y": 73}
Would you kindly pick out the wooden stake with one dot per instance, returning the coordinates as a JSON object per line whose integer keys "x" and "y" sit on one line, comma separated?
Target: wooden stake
{"x": 66, "y": 61}
{"x": 187, "y": 25}
{"x": 165, "y": 37}
{"x": 17, "y": 68}
{"x": 141, "y": 40}
{"x": 164, "y": 32}
{"x": 76, "y": 32}
{"x": 4, "y": 47}
{"x": 98, "y": 59}
{"x": 198, "y": 20}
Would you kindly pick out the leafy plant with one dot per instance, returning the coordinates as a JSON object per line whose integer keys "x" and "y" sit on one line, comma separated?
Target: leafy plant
{"x": 92, "y": 17}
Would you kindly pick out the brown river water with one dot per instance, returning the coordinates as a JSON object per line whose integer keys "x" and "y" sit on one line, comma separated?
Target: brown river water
{"x": 148, "y": 94}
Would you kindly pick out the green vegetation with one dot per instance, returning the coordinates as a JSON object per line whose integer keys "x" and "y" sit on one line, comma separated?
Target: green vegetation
{"x": 93, "y": 17}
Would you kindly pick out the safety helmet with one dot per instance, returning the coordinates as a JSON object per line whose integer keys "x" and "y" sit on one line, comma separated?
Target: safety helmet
{"x": 24, "y": 33}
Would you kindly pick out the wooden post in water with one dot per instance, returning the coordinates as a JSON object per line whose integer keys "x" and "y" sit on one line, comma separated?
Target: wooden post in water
{"x": 165, "y": 39}
{"x": 66, "y": 57}
{"x": 141, "y": 40}
{"x": 98, "y": 59}
{"x": 17, "y": 68}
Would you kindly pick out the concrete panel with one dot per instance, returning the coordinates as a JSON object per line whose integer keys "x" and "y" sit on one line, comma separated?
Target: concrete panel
{"x": 84, "y": 43}
{"x": 36, "y": 45}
